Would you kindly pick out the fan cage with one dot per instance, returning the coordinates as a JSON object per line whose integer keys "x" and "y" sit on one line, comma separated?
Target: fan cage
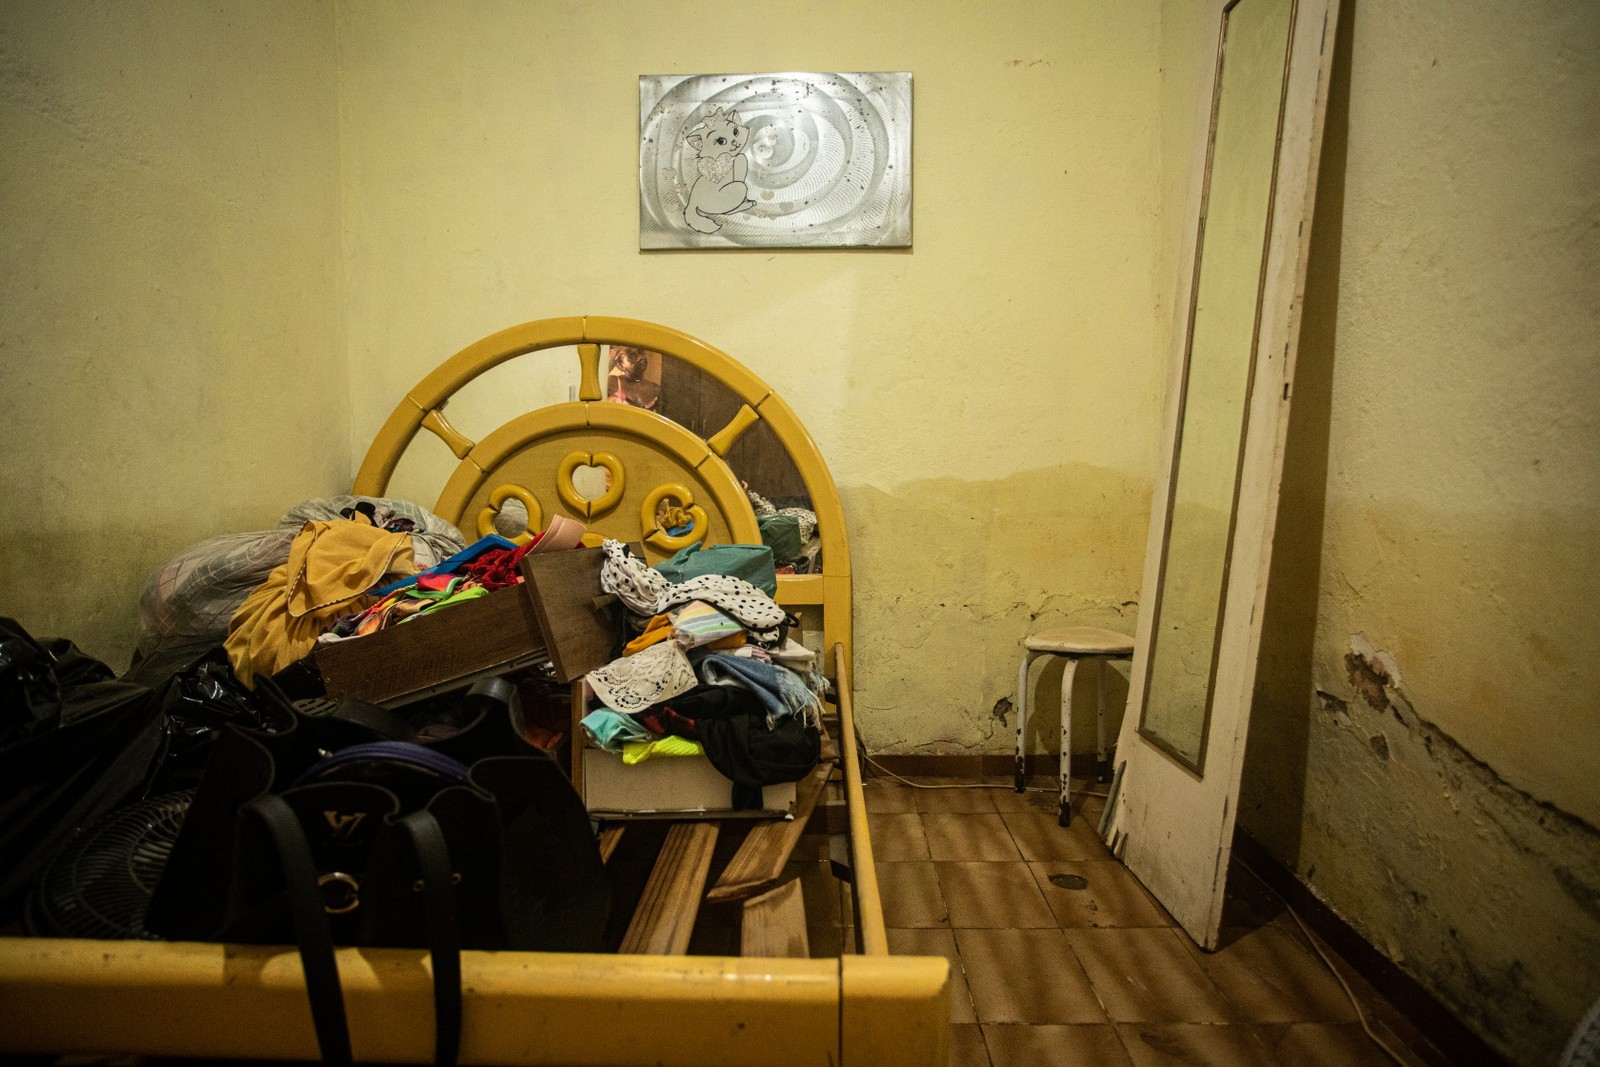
{"x": 100, "y": 884}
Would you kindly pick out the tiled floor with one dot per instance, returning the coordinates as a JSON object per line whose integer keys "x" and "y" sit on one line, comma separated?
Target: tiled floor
{"x": 1059, "y": 956}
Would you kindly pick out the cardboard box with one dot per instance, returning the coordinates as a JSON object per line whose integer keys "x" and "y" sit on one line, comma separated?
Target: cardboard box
{"x": 673, "y": 787}
{"x": 556, "y": 614}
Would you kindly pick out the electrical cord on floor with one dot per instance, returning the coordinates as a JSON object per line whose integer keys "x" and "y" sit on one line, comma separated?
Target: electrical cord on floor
{"x": 1361, "y": 1015}
{"x": 967, "y": 785}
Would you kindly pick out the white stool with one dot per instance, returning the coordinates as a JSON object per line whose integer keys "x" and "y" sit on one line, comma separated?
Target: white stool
{"x": 1072, "y": 643}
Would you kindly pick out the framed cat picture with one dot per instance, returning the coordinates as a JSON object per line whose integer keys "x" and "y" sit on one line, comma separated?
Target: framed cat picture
{"x": 775, "y": 160}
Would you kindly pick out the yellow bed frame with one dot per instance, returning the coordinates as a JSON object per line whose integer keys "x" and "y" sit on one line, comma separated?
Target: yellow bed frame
{"x": 248, "y": 1001}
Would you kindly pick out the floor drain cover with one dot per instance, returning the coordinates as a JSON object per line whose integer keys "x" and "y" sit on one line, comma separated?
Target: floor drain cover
{"x": 1069, "y": 881}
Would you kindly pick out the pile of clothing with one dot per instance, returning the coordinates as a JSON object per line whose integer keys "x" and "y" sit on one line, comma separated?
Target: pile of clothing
{"x": 486, "y": 565}
{"x": 354, "y": 575}
{"x": 712, "y": 672}
{"x": 193, "y": 597}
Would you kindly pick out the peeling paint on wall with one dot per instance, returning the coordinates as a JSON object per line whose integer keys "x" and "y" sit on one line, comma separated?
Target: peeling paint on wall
{"x": 1487, "y": 895}
{"x": 1370, "y": 671}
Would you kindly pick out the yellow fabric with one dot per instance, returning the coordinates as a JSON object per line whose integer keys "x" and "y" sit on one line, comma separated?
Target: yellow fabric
{"x": 659, "y": 628}
{"x": 639, "y": 751}
{"x": 331, "y": 565}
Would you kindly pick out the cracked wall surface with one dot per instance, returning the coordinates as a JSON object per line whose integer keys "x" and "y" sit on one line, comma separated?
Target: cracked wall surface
{"x": 1424, "y": 752}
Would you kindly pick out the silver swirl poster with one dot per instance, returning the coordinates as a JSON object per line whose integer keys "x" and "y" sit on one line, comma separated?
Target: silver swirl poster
{"x": 775, "y": 160}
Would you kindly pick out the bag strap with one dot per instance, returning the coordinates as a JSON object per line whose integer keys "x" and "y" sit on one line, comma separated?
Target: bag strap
{"x": 385, "y": 722}
{"x": 310, "y": 927}
{"x": 444, "y": 934}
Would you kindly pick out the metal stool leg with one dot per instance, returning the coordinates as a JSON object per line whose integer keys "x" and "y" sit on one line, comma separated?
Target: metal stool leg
{"x": 1067, "y": 673}
{"x": 1100, "y": 762}
{"x": 1020, "y": 782}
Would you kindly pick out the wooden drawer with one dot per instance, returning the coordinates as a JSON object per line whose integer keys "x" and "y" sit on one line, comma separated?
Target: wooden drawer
{"x": 556, "y": 614}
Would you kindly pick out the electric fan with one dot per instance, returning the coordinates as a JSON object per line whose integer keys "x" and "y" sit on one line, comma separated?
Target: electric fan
{"x": 99, "y": 885}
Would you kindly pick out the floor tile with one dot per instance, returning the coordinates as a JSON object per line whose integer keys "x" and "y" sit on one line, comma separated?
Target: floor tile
{"x": 1147, "y": 975}
{"x": 938, "y": 943}
{"x": 967, "y": 799}
{"x": 969, "y": 837}
{"x": 966, "y": 1047}
{"x": 993, "y": 894}
{"x": 1018, "y": 1045}
{"x": 1399, "y": 1032}
{"x": 1322, "y": 1045}
{"x": 1040, "y": 798}
{"x": 1192, "y": 1045}
{"x": 1097, "y": 893}
{"x": 1090, "y": 806}
{"x": 911, "y": 896}
{"x": 1092, "y": 973}
{"x": 1026, "y": 976}
{"x": 1041, "y": 838}
{"x": 885, "y": 795}
{"x": 1269, "y": 977}
{"x": 897, "y": 836}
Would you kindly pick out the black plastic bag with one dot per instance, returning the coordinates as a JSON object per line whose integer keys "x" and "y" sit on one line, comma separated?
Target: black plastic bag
{"x": 75, "y": 743}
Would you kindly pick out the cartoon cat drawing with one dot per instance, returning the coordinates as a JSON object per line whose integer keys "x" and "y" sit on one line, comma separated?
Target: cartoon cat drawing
{"x": 720, "y": 189}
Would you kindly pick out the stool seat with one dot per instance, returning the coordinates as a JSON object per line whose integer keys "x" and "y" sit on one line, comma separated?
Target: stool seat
{"x": 1072, "y": 644}
{"x": 1080, "y": 641}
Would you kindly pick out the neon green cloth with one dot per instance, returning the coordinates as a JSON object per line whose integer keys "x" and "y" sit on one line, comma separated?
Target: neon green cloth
{"x": 639, "y": 751}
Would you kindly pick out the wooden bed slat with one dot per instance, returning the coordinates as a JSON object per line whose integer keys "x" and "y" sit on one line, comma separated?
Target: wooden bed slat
{"x": 759, "y": 863}
{"x": 775, "y": 924}
{"x": 665, "y": 916}
{"x": 610, "y": 838}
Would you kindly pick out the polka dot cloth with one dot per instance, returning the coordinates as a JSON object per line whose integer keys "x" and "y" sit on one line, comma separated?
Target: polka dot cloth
{"x": 647, "y": 592}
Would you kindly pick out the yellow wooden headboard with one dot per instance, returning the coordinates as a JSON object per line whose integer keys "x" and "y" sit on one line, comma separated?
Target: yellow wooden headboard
{"x": 648, "y": 459}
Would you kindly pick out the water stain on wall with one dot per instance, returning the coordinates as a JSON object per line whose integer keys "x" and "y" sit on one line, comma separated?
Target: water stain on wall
{"x": 950, "y": 575}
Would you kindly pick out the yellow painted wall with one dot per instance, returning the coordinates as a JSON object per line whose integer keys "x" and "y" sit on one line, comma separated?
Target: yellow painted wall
{"x": 1425, "y": 751}
{"x": 170, "y": 359}
{"x": 988, "y": 400}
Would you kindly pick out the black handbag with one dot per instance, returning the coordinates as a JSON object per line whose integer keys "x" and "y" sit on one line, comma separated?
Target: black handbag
{"x": 343, "y": 830}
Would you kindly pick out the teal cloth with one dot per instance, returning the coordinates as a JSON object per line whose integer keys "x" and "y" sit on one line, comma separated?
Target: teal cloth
{"x": 781, "y": 533}
{"x": 611, "y": 729}
{"x": 753, "y": 563}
